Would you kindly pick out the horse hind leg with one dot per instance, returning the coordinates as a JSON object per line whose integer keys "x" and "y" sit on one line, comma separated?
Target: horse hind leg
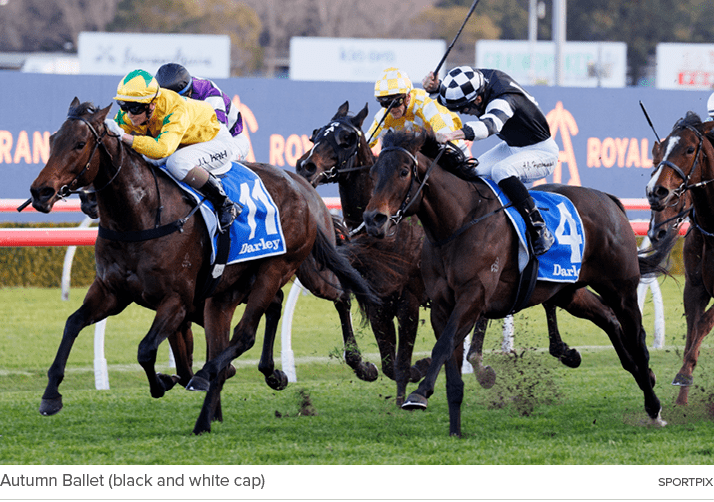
{"x": 182, "y": 349}
{"x": 557, "y": 347}
{"x": 485, "y": 375}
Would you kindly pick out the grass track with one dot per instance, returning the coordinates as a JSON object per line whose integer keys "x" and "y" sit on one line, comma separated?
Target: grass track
{"x": 539, "y": 413}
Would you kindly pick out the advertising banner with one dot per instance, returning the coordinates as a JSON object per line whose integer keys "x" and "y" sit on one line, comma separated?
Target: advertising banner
{"x": 605, "y": 141}
{"x": 685, "y": 66}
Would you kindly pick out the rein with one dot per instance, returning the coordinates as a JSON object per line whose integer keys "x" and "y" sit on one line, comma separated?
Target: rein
{"x": 409, "y": 200}
{"x": 131, "y": 235}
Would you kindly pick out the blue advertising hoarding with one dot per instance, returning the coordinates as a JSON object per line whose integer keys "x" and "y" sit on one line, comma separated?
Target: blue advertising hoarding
{"x": 604, "y": 138}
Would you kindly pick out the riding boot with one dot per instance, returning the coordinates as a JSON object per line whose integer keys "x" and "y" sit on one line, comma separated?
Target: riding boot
{"x": 226, "y": 209}
{"x": 541, "y": 238}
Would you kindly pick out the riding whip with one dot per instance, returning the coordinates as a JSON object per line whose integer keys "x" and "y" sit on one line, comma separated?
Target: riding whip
{"x": 24, "y": 205}
{"x": 649, "y": 121}
{"x": 471, "y": 10}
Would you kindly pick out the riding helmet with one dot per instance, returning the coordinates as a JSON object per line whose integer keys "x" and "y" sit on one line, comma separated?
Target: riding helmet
{"x": 392, "y": 82}
{"x": 138, "y": 86}
{"x": 175, "y": 77}
{"x": 710, "y": 105}
{"x": 460, "y": 86}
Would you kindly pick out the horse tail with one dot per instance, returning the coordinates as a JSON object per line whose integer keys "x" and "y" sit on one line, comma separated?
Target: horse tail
{"x": 651, "y": 258}
{"x": 334, "y": 258}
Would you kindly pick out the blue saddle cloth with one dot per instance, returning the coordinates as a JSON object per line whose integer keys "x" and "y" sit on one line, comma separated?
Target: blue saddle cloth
{"x": 257, "y": 232}
{"x": 562, "y": 262}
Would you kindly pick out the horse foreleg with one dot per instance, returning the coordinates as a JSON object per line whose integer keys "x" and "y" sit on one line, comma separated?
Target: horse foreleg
{"x": 182, "y": 349}
{"x": 98, "y": 304}
{"x": 454, "y": 389}
{"x": 408, "y": 324}
{"x": 276, "y": 379}
{"x": 170, "y": 318}
{"x": 364, "y": 370}
{"x": 485, "y": 375}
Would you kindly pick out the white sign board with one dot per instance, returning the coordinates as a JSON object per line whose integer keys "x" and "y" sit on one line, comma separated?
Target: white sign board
{"x": 362, "y": 60}
{"x": 685, "y": 66}
{"x": 120, "y": 53}
{"x": 585, "y": 64}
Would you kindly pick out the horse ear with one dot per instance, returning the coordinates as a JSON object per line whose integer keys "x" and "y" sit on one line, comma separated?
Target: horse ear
{"x": 342, "y": 110}
{"x": 74, "y": 103}
{"x": 358, "y": 120}
{"x": 656, "y": 149}
{"x": 104, "y": 112}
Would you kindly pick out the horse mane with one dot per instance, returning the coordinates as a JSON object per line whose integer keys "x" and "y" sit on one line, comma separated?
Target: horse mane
{"x": 451, "y": 158}
{"x": 693, "y": 120}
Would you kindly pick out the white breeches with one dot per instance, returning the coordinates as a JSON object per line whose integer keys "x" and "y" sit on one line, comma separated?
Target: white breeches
{"x": 242, "y": 146}
{"x": 215, "y": 156}
{"x": 528, "y": 163}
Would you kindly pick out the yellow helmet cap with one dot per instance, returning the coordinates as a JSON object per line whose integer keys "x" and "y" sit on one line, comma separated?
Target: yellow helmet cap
{"x": 138, "y": 86}
{"x": 392, "y": 82}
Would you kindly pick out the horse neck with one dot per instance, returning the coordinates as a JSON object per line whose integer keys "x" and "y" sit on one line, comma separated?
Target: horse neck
{"x": 355, "y": 187}
{"x": 127, "y": 201}
{"x": 447, "y": 203}
{"x": 702, "y": 197}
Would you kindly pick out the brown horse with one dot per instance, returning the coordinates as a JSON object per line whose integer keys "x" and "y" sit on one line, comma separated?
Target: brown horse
{"x": 167, "y": 272}
{"x": 341, "y": 155}
{"x": 681, "y": 187}
{"x": 469, "y": 262}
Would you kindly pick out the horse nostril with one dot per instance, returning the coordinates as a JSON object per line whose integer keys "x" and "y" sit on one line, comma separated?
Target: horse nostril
{"x": 307, "y": 168}
{"x": 42, "y": 194}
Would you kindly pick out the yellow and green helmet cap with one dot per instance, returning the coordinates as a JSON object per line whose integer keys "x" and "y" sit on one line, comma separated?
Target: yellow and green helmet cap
{"x": 138, "y": 86}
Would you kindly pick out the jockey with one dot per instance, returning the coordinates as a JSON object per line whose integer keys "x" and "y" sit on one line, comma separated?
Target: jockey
{"x": 413, "y": 110}
{"x": 177, "y": 78}
{"x": 183, "y": 133}
{"x": 527, "y": 152}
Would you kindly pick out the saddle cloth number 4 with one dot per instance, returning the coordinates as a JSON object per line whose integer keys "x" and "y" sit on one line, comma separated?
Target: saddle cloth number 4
{"x": 572, "y": 239}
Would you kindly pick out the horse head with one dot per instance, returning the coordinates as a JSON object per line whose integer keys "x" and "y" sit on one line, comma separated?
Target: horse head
{"x": 336, "y": 146}
{"x": 74, "y": 160}
{"x": 682, "y": 163}
{"x": 394, "y": 174}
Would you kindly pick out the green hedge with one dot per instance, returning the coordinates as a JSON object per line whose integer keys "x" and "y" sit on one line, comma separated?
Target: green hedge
{"x": 42, "y": 266}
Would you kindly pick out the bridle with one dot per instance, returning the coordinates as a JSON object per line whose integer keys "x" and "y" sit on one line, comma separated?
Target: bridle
{"x": 409, "y": 199}
{"x": 345, "y": 157}
{"x": 65, "y": 190}
{"x": 685, "y": 186}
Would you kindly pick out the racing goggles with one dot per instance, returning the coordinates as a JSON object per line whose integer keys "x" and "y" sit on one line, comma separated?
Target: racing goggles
{"x": 133, "y": 107}
{"x": 386, "y": 101}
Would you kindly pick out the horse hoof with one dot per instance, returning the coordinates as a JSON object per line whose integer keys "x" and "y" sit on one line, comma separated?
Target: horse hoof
{"x": 168, "y": 381}
{"x": 683, "y": 380}
{"x": 277, "y": 381}
{"x": 415, "y": 402}
{"x": 198, "y": 383}
{"x": 199, "y": 429}
{"x": 486, "y": 377}
{"x": 571, "y": 358}
{"x": 367, "y": 372}
{"x": 418, "y": 370}
{"x": 658, "y": 421}
{"x": 50, "y": 407}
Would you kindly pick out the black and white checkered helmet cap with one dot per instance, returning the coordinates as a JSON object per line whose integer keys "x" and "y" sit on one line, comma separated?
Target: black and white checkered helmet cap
{"x": 460, "y": 86}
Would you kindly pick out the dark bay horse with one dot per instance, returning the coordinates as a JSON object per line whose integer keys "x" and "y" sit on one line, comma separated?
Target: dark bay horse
{"x": 469, "y": 263}
{"x": 341, "y": 155}
{"x": 682, "y": 187}
{"x": 167, "y": 273}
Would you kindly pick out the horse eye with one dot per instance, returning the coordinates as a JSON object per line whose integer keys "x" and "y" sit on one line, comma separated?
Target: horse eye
{"x": 80, "y": 145}
{"x": 690, "y": 150}
{"x": 404, "y": 173}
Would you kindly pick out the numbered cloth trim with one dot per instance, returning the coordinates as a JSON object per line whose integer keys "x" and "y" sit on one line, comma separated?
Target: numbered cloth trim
{"x": 562, "y": 262}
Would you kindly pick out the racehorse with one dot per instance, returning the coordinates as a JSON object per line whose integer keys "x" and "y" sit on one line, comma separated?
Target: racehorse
{"x": 681, "y": 187}
{"x": 470, "y": 268}
{"x": 341, "y": 155}
{"x": 164, "y": 266}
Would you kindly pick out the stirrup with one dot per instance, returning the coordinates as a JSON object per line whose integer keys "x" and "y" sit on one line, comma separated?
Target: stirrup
{"x": 543, "y": 241}
{"x": 231, "y": 209}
